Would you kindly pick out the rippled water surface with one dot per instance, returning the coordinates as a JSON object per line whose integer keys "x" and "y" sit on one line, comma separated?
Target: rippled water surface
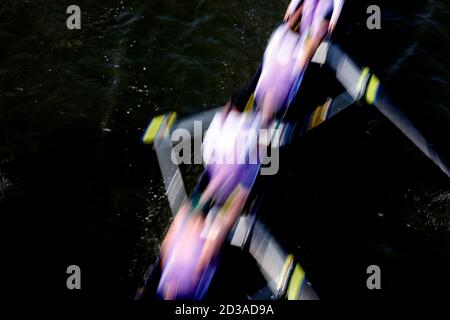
{"x": 76, "y": 185}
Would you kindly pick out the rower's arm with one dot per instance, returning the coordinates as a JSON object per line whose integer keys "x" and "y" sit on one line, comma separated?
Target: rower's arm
{"x": 295, "y": 7}
{"x": 312, "y": 45}
{"x": 337, "y": 9}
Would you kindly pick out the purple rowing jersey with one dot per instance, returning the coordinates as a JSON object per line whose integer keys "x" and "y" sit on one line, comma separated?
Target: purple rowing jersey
{"x": 280, "y": 67}
{"x": 230, "y": 150}
{"x": 316, "y": 11}
{"x": 179, "y": 268}
{"x": 221, "y": 149}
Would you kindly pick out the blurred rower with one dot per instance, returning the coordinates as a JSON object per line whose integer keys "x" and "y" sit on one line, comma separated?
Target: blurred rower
{"x": 317, "y": 20}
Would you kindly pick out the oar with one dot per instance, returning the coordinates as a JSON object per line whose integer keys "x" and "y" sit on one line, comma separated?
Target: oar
{"x": 361, "y": 84}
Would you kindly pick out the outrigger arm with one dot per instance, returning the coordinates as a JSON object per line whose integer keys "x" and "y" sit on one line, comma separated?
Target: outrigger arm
{"x": 285, "y": 277}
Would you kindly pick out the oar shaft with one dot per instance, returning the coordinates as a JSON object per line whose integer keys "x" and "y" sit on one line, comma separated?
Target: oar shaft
{"x": 360, "y": 84}
{"x": 399, "y": 119}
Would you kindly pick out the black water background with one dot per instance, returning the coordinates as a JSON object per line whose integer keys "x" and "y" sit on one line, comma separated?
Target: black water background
{"x": 77, "y": 187}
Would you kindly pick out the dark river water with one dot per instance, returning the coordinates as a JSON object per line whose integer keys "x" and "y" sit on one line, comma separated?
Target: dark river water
{"x": 77, "y": 186}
